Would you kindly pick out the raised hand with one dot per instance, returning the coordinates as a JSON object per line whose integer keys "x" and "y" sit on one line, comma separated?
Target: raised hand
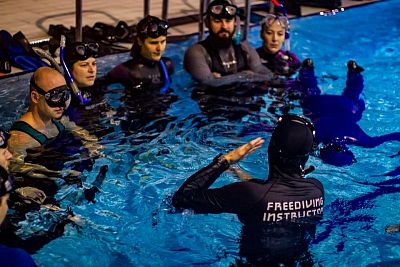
{"x": 243, "y": 151}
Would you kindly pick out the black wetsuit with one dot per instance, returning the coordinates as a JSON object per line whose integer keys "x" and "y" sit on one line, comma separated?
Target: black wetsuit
{"x": 278, "y": 214}
{"x": 280, "y": 198}
{"x": 89, "y": 115}
{"x": 143, "y": 101}
{"x": 273, "y": 62}
{"x": 141, "y": 71}
{"x": 236, "y": 63}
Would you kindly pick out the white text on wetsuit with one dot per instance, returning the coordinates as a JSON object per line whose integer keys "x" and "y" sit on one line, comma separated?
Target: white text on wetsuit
{"x": 293, "y": 210}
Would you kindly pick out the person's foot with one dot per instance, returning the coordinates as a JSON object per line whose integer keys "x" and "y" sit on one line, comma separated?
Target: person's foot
{"x": 353, "y": 66}
{"x": 392, "y": 228}
{"x": 308, "y": 63}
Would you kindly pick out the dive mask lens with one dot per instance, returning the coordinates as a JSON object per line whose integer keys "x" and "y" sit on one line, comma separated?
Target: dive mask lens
{"x": 56, "y": 97}
{"x": 223, "y": 10}
{"x": 156, "y": 29}
{"x": 3, "y": 138}
{"x": 80, "y": 49}
{"x": 231, "y": 10}
{"x": 84, "y": 51}
{"x": 94, "y": 48}
{"x": 217, "y": 10}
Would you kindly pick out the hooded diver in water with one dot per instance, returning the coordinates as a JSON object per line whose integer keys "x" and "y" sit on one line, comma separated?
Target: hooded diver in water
{"x": 279, "y": 214}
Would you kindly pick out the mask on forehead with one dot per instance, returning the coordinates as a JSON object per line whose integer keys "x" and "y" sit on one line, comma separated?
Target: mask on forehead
{"x": 222, "y": 9}
{"x": 269, "y": 19}
{"x": 154, "y": 29}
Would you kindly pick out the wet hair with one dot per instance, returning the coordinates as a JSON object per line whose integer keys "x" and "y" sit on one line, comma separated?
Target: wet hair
{"x": 291, "y": 143}
{"x": 140, "y": 33}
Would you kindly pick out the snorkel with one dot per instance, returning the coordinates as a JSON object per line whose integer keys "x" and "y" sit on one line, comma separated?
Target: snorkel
{"x": 287, "y": 33}
{"x": 82, "y": 99}
{"x": 167, "y": 80}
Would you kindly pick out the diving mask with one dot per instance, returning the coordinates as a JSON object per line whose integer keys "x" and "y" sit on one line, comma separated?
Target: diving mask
{"x": 56, "y": 97}
{"x": 269, "y": 19}
{"x": 155, "y": 29}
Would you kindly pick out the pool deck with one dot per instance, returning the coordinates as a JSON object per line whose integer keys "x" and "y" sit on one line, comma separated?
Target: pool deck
{"x": 34, "y": 17}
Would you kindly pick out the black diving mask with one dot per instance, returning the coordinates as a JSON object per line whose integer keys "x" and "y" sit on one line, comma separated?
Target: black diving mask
{"x": 4, "y": 138}
{"x": 222, "y": 11}
{"x": 155, "y": 29}
{"x": 56, "y": 97}
{"x": 83, "y": 51}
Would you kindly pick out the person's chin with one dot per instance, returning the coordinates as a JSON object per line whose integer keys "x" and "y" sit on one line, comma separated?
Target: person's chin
{"x": 156, "y": 58}
{"x": 58, "y": 113}
{"x": 89, "y": 83}
{"x": 224, "y": 35}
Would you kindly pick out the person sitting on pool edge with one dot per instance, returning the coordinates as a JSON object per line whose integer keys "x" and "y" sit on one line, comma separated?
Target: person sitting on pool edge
{"x": 148, "y": 69}
{"x": 8, "y": 256}
{"x": 285, "y": 206}
{"x": 218, "y": 60}
{"x": 42, "y": 127}
{"x": 274, "y": 28}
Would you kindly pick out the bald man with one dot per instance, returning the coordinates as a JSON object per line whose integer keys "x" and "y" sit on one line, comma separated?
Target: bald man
{"x": 44, "y": 122}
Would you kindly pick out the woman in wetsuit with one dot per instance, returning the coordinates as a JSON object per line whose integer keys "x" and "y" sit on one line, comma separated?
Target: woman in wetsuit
{"x": 273, "y": 31}
{"x": 147, "y": 68}
{"x": 89, "y": 105}
{"x": 80, "y": 59}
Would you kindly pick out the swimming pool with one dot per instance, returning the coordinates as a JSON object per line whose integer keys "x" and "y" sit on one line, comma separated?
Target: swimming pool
{"x": 131, "y": 223}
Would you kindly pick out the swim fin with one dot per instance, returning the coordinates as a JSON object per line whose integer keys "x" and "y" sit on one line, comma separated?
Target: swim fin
{"x": 16, "y": 53}
{"x": 5, "y": 66}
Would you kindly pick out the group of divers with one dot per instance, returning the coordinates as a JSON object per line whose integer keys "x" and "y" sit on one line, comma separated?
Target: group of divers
{"x": 279, "y": 214}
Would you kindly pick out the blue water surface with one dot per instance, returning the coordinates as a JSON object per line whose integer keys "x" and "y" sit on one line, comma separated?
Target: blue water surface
{"x": 132, "y": 223}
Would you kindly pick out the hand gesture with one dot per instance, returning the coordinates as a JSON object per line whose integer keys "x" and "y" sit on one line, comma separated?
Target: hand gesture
{"x": 243, "y": 151}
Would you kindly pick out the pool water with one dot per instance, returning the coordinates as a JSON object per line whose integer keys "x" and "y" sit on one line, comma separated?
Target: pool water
{"x": 132, "y": 223}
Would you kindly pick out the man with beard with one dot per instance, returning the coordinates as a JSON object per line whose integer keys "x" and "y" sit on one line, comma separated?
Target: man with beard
{"x": 279, "y": 215}
{"x": 218, "y": 60}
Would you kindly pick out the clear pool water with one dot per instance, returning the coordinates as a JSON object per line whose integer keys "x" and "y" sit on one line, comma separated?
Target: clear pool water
{"x": 131, "y": 223}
